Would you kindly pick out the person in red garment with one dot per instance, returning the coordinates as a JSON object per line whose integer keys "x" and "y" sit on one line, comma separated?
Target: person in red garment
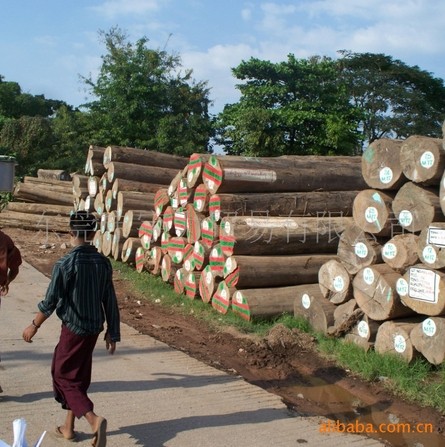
{"x": 10, "y": 261}
{"x": 82, "y": 294}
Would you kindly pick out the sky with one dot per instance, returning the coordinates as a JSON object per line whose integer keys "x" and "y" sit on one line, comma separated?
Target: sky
{"x": 48, "y": 45}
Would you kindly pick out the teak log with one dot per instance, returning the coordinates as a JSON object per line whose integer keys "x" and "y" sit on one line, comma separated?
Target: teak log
{"x": 40, "y": 208}
{"x": 375, "y": 290}
{"x": 358, "y": 249}
{"x": 132, "y": 221}
{"x": 416, "y": 207}
{"x": 372, "y": 212}
{"x": 381, "y": 167}
{"x": 142, "y": 157}
{"x": 264, "y": 303}
{"x": 191, "y": 286}
{"x": 335, "y": 281}
{"x": 393, "y": 337}
{"x": 107, "y": 243}
{"x": 35, "y": 222}
{"x": 364, "y": 333}
{"x": 129, "y": 250}
{"x": 431, "y": 245}
{"x": 246, "y": 272}
{"x": 423, "y": 290}
{"x": 400, "y": 252}
{"x": 55, "y": 174}
{"x": 50, "y": 194}
{"x": 428, "y": 338}
{"x": 118, "y": 243}
{"x": 221, "y": 299}
{"x": 269, "y": 174}
{"x": 127, "y": 200}
{"x": 208, "y": 283}
{"x": 423, "y": 159}
{"x": 140, "y": 173}
{"x": 310, "y": 203}
{"x": 346, "y": 315}
{"x": 310, "y": 304}
{"x": 281, "y": 235}
{"x": 121, "y": 184}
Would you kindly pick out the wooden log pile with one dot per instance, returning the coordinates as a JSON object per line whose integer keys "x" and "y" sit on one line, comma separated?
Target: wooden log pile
{"x": 390, "y": 263}
{"x": 41, "y": 203}
{"x": 258, "y": 240}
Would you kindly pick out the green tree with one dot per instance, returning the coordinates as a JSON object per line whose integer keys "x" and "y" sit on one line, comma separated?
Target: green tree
{"x": 30, "y": 140}
{"x": 397, "y": 100}
{"x": 292, "y": 107}
{"x": 143, "y": 99}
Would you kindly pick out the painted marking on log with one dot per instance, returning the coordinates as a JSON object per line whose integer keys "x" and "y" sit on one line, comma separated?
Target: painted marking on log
{"x": 424, "y": 285}
{"x": 240, "y": 305}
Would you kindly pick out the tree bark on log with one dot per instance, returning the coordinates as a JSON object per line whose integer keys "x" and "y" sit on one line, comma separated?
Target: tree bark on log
{"x": 282, "y": 235}
{"x": 139, "y": 173}
{"x": 35, "y": 222}
{"x": 121, "y": 184}
{"x": 272, "y": 174}
{"x": 142, "y": 157}
{"x": 381, "y": 167}
{"x": 428, "y": 338}
{"x": 127, "y": 200}
{"x": 416, "y": 207}
{"x": 393, "y": 337}
{"x": 375, "y": 290}
{"x": 310, "y": 304}
{"x": 358, "y": 249}
{"x": 372, "y": 212}
{"x": 423, "y": 159}
{"x": 346, "y": 315}
{"x": 246, "y": 272}
{"x": 264, "y": 303}
{"x": 431, "y": 245}
{"x": 95, "y": 155}
{"x": 40, "y": 208}
{"x": 401, "y": 251}
{"x": 335, "y": 282}
{"x": 423, "y": 290}
{"x": 51, "y": 194}
{"x": 311, "y": 203}
{"x": 59, "y": 185}
{"x": 54, "y": 174}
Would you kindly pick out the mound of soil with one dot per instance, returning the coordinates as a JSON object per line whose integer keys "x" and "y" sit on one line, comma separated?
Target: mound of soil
{"x": 276, "y": 362}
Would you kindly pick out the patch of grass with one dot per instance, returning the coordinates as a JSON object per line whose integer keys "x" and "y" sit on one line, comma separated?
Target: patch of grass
{"x": 418, "y": 382}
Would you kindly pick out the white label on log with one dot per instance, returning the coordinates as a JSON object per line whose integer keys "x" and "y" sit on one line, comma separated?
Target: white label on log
{"x": 402, "y": 287}
{"x": 223, "y": 293}
{"x": 205, "y": 225}
{"x": 196, "y": 247}
{"x": 368, "y": 276}
{"x": 226, "y": 227}
{"x": 178, "y": 256}
{"x": 361, "y": 250}
{"x": 239, "y": 297}
{"x": 405, "y": 218}
{"x": 399, "y": 344}
{"x": 429, "y": 254}
{"x": 363, "y": 329}
{"x": 436, "y": 236}
{"x": 423, "y": 285}
{"x": 427, "y": 160}
{"x": 338, "y": 283}
{"x": 179, "y": 274}
{"x": 371, "y": 214}
{"x": 190, "y": 176}
{"x": 215, "y": 252}
{"x": 228, "y": 266}
{"x": 210, "y": 184}
{"x": 389, "y": 250}
{"x": 217, "y": 215}
{"x": 199, "y": 205}
{"x": 250, "y": 175}
{"x": 306, "y": 301}
{"x": 429, "y": 327}
{"x": 187, "y": 265}
{"x": 209, "y": 277}
{"x": 386, "y": 175}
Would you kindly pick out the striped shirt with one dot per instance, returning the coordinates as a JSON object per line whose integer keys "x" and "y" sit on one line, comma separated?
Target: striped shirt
{"x": 81, "y": 291}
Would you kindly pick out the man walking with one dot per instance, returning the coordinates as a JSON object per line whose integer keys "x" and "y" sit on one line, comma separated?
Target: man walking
{"x": 82, "y": 294}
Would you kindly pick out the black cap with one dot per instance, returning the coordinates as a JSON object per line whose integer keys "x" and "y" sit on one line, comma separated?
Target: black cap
{"x": 83, "y": 221}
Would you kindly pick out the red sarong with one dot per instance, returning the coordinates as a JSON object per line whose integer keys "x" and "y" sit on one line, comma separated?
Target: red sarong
{"x": 71, "y": 371}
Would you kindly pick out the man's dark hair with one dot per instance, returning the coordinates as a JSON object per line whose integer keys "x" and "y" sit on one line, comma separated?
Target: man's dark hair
{"x": 83, "y": 224}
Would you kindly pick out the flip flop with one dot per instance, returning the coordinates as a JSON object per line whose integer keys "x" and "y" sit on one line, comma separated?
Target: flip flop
{"x": 100, "y": 437}
{"x": 58, "y": 434}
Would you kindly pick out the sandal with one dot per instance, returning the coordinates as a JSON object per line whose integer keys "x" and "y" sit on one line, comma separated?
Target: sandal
{"x": 58, "y": 434}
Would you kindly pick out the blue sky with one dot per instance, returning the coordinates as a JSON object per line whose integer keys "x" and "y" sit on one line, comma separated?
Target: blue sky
{"x": 45, "y": 45}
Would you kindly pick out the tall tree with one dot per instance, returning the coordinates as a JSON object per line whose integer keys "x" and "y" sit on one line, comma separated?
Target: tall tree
{"x": 144, "y": 99}
{"x": 397, "y": 100}
{"x": 291, "y": 107}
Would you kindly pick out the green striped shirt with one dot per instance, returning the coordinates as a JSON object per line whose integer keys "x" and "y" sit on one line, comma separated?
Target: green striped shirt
{"x": 81, "y": 291}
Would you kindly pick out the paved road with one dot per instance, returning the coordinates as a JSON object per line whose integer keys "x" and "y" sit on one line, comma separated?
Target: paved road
{"x": 152, "y": 395}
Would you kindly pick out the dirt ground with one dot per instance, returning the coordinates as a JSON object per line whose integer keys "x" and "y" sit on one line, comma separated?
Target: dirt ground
{"x": 278, "y": 363}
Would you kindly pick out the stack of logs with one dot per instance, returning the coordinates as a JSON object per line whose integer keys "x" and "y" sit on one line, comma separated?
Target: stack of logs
{"x": 44, "y": 202}
{"x": 231, "y": 231}
{"x": 386, "y": 287}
